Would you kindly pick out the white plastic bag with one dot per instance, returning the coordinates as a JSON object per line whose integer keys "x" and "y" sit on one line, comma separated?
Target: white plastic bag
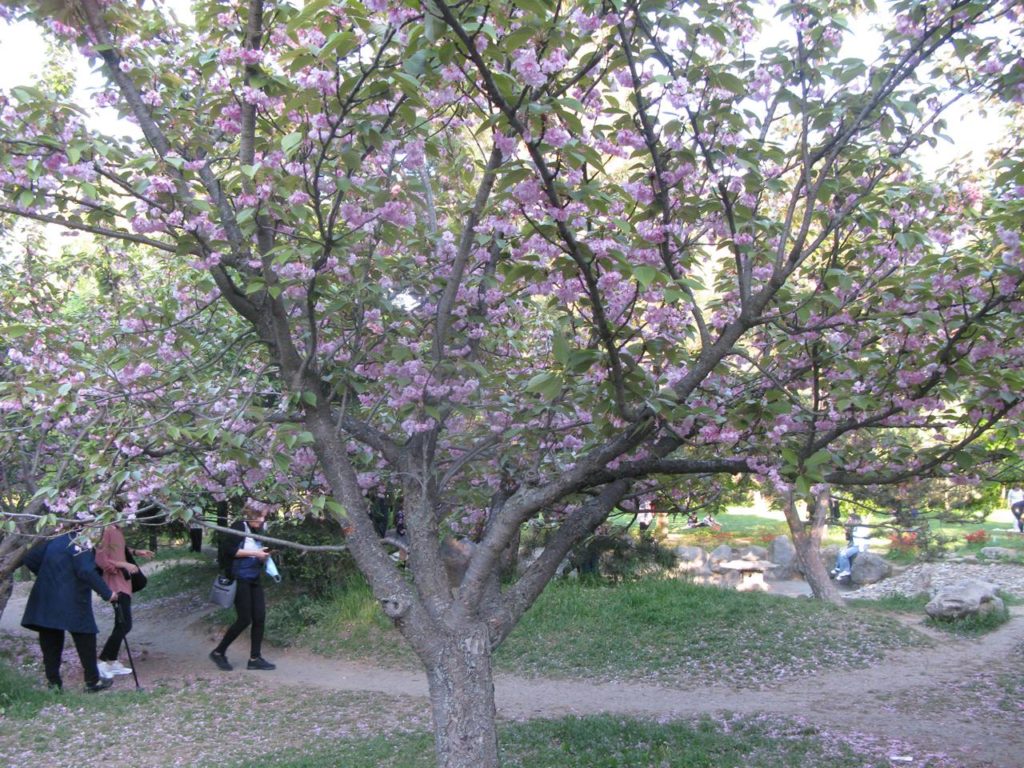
{"x": 271, "y": 568}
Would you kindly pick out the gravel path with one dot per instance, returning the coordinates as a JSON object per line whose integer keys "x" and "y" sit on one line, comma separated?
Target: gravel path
{"x": 927, "y": 577}
{"x": 944, "y": 705}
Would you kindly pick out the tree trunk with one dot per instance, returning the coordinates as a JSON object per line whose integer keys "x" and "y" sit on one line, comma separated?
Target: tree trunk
{"x": 807, "y": 541}
{"x": 462, "y": 700}
{"x": 12, "y": 551}
{"x": 808, "y": 546}
{"x": 510, "y": 557}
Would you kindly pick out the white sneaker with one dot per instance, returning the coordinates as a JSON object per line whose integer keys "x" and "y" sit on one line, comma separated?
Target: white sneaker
{"x": 842, "y": 575}
{"x": 111, "y": 668}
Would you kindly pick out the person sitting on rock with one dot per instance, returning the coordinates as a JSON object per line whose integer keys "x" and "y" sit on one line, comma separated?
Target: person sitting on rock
{"x": 1016, "y": 500}
{"x": 857, "y": 535}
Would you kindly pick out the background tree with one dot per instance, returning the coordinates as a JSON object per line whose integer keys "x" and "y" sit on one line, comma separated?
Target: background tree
{"x": 518, "y": 257}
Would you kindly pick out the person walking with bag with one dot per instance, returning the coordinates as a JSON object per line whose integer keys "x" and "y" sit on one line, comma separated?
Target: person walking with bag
{"x": 246, "y": 558}
{"x": 61, "y": 601}
{"x": 116, "y": 562}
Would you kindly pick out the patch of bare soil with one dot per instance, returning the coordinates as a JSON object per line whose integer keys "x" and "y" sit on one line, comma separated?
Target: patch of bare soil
{"x": 961, "y": 698}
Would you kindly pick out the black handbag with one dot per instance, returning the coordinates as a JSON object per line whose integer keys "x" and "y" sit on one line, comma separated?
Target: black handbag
{"x": 138, "y": 578}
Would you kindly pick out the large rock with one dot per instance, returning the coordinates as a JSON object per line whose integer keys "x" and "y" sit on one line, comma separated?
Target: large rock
{"x": 753, "y": 552}
{"x": 782, "y": 554}
{"x": 965, "y": 598}
{"x": 719, "y": 553}
{"x": 869, "y": 568}
{"x": 994, "y": 553}
{"x": 691, "y": 560}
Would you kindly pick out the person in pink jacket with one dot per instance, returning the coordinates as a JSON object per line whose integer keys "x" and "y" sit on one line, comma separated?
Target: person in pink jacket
{"x": 112, "y": 560}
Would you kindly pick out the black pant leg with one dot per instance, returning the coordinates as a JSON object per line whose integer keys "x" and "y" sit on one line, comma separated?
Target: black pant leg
{"x": 195, "y": 536}
{"x": 122, "y": 626}
{"x": 243, "y": 609}
{"x": 259, "y": 620}
{"x": 85, "y": 644}
{"x": 51, "y": 643}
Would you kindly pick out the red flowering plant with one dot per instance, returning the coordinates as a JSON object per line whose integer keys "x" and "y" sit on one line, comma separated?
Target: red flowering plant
{"x": 904, "y": 542}
{"x": 977, "y": 537}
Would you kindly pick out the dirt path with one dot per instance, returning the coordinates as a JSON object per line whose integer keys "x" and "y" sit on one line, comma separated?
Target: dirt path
{"x": 913, "y": 696}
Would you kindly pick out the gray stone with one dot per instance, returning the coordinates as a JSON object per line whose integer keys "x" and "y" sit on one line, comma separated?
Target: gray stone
{"x": 721, "y": 552}
{"x": 963, "y": 598}
{"x": 690, "y": 554}
{"x": 782, "y": 553}
{"x": 994, "y": 553}
{"x": 691, "y": 560}
{"x": 918, "y": 583}
{"x": 754, "y": 552}
{"x": 995, "y": 605}
{"x": 869, "y": 568}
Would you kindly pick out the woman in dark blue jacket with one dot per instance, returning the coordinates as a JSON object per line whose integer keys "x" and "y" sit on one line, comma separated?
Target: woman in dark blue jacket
{"x": 247, "y": 558}
{"x": 61, "y": 601}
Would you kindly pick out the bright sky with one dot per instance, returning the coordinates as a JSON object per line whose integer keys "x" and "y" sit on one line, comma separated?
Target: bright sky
{"x": 23, "y": 55}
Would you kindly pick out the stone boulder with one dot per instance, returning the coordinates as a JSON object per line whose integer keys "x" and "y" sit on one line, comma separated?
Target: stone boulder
{"x": 994, "y": 553}
{"x": 754, "y": 552}
{"x": 691, "y": 560}
{"x": 869, "y": 568}
{"x": 720, "y": 553}
{"x": 782, "y": 555}
{"x": 965, "y": 598}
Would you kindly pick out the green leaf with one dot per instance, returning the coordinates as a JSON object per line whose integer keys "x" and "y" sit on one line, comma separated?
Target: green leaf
{"x": 646, "y": 274}
{"x": 282, "y": 462}
{"x": 14, "y": 331}
{"x": 336, "y": 509}
{"x": 290, "y": 142}
{"x": 560, "y": 348}
{"x": 817, "y": 459}
{"x": 548, "y": 385}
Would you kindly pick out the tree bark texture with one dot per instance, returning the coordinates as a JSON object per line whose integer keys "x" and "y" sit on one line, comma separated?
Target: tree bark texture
{"x": 462, "y": 700}
{"x": 807, "y": 541}
{"x": 808, "y": 545}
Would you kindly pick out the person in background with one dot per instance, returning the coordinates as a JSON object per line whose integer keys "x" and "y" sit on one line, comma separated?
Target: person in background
{"x": 61, "y": 601}
{"x": 1015, "y": 498}
{"x": 195, "y": 536}
{"x": 244, "y": 557}
{"x": 857, "y": 536}
{"x": 117, "y": 569}
{"x": 645, "y": 516}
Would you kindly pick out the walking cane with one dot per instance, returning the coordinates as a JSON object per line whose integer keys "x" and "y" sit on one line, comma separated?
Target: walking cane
{"x": 119, "y": 618}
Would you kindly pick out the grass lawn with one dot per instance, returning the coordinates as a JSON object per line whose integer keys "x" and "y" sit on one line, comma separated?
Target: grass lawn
{"x": 615, "y": 742}
{"x": 665, "y": 631}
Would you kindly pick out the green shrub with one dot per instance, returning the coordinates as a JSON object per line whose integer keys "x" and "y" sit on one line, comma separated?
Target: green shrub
{"x": 612, "y": 553}
{"x": 318, "y": 573}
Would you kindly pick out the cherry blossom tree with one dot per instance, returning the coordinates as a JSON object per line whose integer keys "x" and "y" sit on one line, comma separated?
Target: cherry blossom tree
{"x": 525, "y": 259}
